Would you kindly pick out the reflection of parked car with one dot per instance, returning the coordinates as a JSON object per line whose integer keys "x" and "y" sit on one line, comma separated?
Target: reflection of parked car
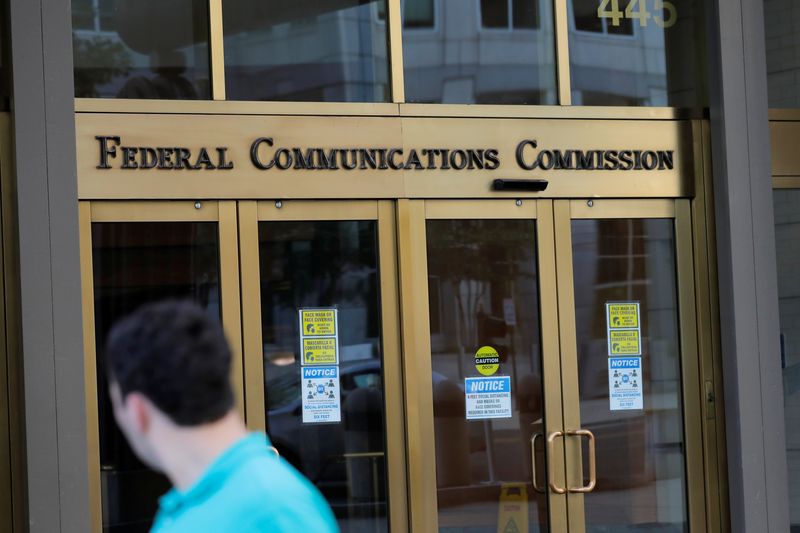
{"x": 346, "y": 460}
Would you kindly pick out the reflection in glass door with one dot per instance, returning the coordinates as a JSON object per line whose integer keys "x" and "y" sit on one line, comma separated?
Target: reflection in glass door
{"x": 141, "y": 253}
{"x": 487, "y": 370}
{"x": 320, "y": 279}
{"x": 623, "y": 453}
{"x": 621, "y": 357}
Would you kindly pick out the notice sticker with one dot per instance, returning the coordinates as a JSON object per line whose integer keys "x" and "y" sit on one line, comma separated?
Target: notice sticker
{"x": 625, "y": 383}
{"x": 318, "y": 322}
{"x": 320, "y": 393}
{"x": 487, "y": 360}
{"x": 488, "y": 397}
{"x": 624, "y": 328}
{"x": 319, "y": 351}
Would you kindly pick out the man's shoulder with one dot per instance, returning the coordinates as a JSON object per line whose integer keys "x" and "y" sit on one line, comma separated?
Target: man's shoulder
{"x": 263, "y": 493}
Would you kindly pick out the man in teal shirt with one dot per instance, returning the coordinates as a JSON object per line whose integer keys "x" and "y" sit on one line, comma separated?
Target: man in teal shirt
{"x": 169, "y": 368}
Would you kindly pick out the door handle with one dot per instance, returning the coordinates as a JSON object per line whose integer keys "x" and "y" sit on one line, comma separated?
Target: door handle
{"x": 551, "y": 472}
{"x": 536, "y": 486}
{"x": 592, "y": 459}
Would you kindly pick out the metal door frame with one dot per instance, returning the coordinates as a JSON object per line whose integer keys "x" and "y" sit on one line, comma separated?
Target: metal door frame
{"x": 222, "y": 212}
{"x": 412, "y": 216}
{"x": 383, "y": 212}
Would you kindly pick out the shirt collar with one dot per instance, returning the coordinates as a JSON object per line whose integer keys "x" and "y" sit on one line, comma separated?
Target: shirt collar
{"x": 216, "y": 473}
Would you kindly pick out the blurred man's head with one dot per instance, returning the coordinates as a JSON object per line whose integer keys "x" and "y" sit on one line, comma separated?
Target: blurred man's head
{"x": 168, "y": 368}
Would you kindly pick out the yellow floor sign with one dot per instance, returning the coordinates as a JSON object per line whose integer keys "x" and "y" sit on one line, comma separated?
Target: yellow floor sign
{"x": 513, "y": 516}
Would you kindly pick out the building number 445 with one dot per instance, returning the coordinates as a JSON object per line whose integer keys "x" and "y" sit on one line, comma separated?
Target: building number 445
{"x": 609, "y": 9}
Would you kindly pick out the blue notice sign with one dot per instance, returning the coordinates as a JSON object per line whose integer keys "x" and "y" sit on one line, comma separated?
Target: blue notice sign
{"x": 488, "y": 397}
{"x": 320, "y": 394}
{"x": 625, "y": 383}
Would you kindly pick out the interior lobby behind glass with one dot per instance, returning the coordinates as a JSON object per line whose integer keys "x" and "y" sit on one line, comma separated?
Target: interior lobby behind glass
{"x": 141, "y": 49}
{"x": 641, "y": 479}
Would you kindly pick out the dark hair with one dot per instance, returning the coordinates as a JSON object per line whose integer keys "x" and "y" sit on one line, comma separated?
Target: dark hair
{"x": 176, "y": 355}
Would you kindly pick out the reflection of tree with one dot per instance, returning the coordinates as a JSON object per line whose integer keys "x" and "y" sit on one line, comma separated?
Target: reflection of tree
{"x": 98, "y": 60}
{"x": 474, "y": 257}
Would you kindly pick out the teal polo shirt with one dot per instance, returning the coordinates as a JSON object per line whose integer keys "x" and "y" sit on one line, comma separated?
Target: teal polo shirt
{"x": 246, "y": 489}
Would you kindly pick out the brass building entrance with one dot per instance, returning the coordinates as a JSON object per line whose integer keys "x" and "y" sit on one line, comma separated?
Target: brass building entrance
{"x": 504, "y": 360}
{"x": 420, "y": 286}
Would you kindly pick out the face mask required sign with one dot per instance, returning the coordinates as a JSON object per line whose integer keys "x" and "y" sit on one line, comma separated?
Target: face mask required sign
{"x": 488, "y": 397}
{"x": 321, "y": 398}
{"x": 319, "y": 336}
{"x": 624, "y": 328}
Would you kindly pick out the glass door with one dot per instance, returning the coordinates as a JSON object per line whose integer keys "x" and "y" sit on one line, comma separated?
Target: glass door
{"x": 492, "y": 379}
{"x": 133, "y": 253}
{"x": 322, "y": 354}
{"x": 629, "y": 365}
{"x": 557, "y": 379}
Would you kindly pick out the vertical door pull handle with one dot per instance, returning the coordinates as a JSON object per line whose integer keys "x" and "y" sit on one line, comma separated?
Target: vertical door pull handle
{"x": 551, "y": 472}
{"x": 536, "y": 486}
{"x": 592, "y": 460}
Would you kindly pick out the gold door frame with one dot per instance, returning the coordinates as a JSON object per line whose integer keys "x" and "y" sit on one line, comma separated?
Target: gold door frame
{"x": 222, "y": 212}
{"x": 381, "y": 211}
{"x": 412, "y": 216}
{"x": 680, "y": 212}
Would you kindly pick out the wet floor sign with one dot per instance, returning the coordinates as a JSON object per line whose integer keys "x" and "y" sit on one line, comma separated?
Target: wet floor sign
{"x": 513, "y": 516}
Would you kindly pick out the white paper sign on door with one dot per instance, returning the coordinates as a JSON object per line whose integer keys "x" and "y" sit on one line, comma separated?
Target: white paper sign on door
{"x": 625, "y": 383}
{"x": 488, "y": 397}
{"x": 320, "y": 392}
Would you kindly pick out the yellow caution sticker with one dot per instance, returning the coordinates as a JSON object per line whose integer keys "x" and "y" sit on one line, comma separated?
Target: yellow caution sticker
{"x": 320, "y": 351}
{"x": 623, "y": 315}
{"x": 513, "y": 516}
{"x": 487, "y": 360}
{"x": 624, "y": 342}
{"x": 318, "y": 322}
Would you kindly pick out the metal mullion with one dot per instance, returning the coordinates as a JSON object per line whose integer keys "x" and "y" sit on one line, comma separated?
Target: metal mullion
{"x": 415, "y": 335}
{"x": 90, "y": 366}
{"x": 718, "y": 516}
{"x": 692, "y": 394}
{"x": 551, "y": 360}
{"x": 569, "y": 362}
{"x": 392, "y": 368}
{"x": 216, "y": 49}
{"x": 561, "y": 23}
{"x": 230, "y": 294}
{"x": 255, "y": 410}
{"x": 394, "y": 24}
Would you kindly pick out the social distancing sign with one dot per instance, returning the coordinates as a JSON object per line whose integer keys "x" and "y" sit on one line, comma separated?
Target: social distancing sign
{"x": 488, "y": 397}
{"x": 321, "y": 398}
{"x": 625, "y": 383}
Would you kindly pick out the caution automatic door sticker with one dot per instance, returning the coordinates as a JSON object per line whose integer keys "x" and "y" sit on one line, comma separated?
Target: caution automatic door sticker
{"x": 487, "y": 360}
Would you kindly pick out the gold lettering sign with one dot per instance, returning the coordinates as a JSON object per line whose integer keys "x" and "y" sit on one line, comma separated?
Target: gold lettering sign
{"x": 247, "y": 156}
